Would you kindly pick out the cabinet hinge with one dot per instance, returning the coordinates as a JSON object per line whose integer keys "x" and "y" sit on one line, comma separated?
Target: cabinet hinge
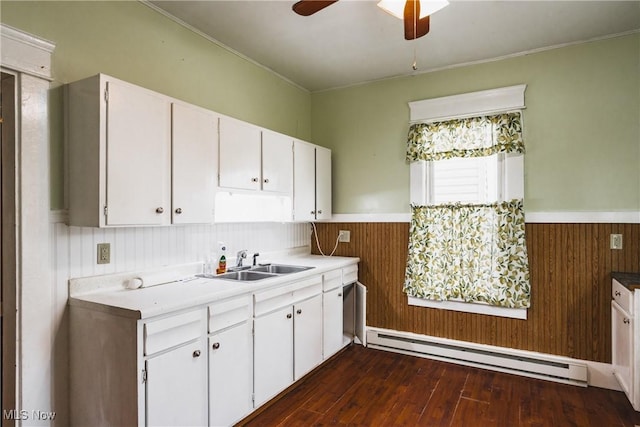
{"x": 144, "y": 376}
{"x": 106, "y": 94}
{"x": 253, "y": 398}
{"x": 105, "y": 210}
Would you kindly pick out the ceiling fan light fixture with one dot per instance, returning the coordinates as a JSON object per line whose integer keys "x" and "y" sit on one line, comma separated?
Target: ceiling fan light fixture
{"x": 396, "y": 7}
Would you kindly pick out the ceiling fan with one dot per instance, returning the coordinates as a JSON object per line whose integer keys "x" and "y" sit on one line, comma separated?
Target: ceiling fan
{"x": 415, "y": 24}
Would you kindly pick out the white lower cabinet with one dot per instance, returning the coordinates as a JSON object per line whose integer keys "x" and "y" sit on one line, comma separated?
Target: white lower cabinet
{"x": 208, "y": 365}
{"x": 230, "y": 361}
{"x": 273, "y": 354}
{"x": 176, "y": 386}
{"x": 287, "y": 336}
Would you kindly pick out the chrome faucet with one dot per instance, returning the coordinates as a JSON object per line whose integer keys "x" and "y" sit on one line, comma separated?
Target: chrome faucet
{"x": 255, "y": 257}
{"x": 240, "y": 256}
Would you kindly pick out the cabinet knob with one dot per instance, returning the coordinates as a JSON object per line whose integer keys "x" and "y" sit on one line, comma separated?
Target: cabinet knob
{"x": 196, "y": 353}
{"x": 299, "y": 311}
{"x": 216, "y": 345}
{"x": 319, "y": 212}
{"x": 179, "y": 211}
{"x": 313, "y": 212}
{"x": 626, "y": 321}
{"x": 340, "y": 295}
{"x": 254, "y": 180}
{"x": 289, "y": 316}
{"x": 159, "y": 210}
{"x": 617, "y": 293}
{"x": 266, "y": 180}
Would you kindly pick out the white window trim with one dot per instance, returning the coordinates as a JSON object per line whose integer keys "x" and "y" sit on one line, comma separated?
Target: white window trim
{"x": 493, "y": 101}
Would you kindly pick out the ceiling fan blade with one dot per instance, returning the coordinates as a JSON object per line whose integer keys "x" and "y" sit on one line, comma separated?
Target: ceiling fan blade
{"x": 414, "y": 27}
{"x": 309, "y": 7}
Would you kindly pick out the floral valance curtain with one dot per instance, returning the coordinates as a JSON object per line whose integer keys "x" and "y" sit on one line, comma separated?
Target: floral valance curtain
{"x": 469, "y": 137}
{"x": 473, "y": 253}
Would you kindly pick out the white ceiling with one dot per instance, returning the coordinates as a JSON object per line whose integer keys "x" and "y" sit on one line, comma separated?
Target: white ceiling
{"x": 353, "y": 41}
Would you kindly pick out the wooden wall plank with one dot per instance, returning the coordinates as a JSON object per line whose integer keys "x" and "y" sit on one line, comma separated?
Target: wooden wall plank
{"x": 570, "y": 266}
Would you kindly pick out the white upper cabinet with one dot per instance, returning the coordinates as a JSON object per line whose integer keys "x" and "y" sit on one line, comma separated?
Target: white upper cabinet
{"x": 323, "y": 183}
{"x": 254, "y": 159}
{"x": 239, "y": 155}
{"x": 311, "y": 182}
{"x": 120, "y": 157}
{"x": 277, "y": 162}
{"x": 119, "y": 154}
{"x": 194, "y": 164}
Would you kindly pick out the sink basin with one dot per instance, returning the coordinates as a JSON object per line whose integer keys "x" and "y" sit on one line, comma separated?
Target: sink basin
{"x": 280, "y": 268}
{"x": 242, "y": 276}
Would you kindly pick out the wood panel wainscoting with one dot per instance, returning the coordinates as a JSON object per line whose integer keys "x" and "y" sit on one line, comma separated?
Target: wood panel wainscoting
{"x": 570, "y": 267}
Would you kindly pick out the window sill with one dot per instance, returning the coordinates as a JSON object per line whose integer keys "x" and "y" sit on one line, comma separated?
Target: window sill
{"x": 477, "y": 308}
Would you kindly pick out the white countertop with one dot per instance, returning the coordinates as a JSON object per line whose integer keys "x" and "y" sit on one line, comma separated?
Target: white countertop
{"x": 111, "y": 296}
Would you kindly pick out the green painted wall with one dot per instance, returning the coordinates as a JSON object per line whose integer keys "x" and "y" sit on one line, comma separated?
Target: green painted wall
{"x": 131, "y": 41}
{"x": 582, "y": 128}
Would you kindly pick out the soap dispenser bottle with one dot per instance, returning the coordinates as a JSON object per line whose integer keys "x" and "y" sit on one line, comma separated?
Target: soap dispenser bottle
{"x": 222, "y": 260}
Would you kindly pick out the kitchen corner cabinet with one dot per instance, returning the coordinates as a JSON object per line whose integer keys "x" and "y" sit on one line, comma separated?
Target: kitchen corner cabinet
{"x": 121, "y": 152}
{"x": 312, "y": 182}
{"x": 254, "y": 159}
{"x": 287, "y": 336}
{"x": 625, "y": 336}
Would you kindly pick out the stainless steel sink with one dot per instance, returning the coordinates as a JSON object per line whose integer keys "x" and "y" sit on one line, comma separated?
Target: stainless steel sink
{"x": 280, "y": 268}
{"x": 242, "y": 276}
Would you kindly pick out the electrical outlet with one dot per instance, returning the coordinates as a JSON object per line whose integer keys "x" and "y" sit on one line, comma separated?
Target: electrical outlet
{"x": 104, "y": 253}
{"x": 344, "y": 236}
{"x": 616, "y": 241}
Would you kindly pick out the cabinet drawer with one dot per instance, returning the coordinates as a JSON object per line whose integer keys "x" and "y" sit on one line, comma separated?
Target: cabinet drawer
{"x": 172, "y": 331}
{"x": 228, "y": 313}
{"x": 331, "y": 280}
{"x": 623, "y": 296}
{"x": 350, "y": 274}
{"x": 274, "y": 299}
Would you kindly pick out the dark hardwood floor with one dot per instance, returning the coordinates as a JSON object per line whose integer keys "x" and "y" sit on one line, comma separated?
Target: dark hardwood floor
{"x": 377, "y": 388}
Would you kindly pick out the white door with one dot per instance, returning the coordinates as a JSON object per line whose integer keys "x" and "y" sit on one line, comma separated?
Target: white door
{"x": 273, "y": 354}
{"x": 323, "y": 183}
{"x": 194, "y": 164}
{"x": 304, "y": 181}
{"x": 230, "y": 375}
{"x": 239, "y": 163}
{"x": 332, "y": 319}
{"x": 177, "y": 387}
{"x": 307, "y": 337}
{"x": 622, "y": 350}
{"x": 277, "y": 163}
{"x": 138, "y": 156}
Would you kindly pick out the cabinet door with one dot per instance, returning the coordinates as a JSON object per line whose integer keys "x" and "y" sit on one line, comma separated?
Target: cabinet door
{"x": 323, "y": 183}
{"x": 138, "y": 156}
{"x": 230, "y": 375}
{"x": 176, "y": 387}
{"x": 332, "y": 308}
{"x": 239, "y": 164}
{"x": 307, "y": 335}
{"x": 277, "y": 162}
{"x": 622, "y": 350}
{"x": 194, "y": 164}
{"x": 273, "y": 354}
{"x": 304, "y": 178}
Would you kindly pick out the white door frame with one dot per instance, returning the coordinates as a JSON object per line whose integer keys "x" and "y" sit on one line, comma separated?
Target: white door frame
{"x": 29, "y": 58}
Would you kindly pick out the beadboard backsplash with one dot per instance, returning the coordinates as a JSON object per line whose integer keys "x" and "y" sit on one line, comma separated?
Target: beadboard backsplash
{"x": 143, "y": 248}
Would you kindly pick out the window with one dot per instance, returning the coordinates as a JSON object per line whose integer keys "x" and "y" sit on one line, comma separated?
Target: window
{"x": 467, "y": 247}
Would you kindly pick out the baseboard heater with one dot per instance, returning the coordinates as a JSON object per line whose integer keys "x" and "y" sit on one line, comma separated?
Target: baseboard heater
{"x": 518, "y": 362}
